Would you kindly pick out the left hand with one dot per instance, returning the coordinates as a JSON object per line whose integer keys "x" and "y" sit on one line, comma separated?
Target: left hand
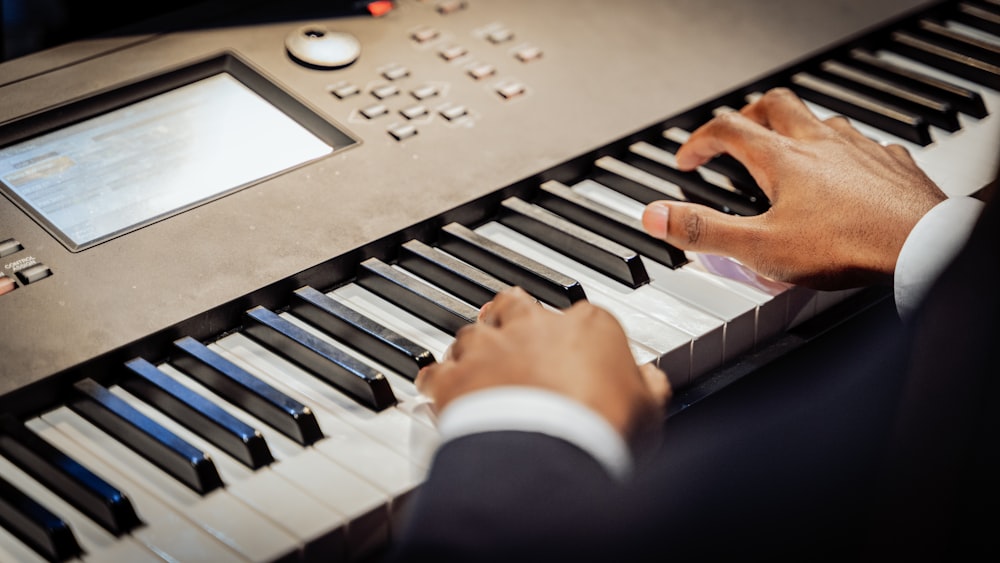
{"x": 581, "y": 353}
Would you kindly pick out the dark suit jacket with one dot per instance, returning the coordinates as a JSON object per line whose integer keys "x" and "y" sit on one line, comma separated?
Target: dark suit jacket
{"x": 886, "y": 453}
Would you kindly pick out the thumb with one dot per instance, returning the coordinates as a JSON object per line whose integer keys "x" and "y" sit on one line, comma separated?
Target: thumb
{"x": 694, "y": 227}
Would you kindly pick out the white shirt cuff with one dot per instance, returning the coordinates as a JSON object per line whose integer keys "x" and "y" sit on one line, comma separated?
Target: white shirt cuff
{"x": 531, "y": 409}
{"x": 930, "y": 247}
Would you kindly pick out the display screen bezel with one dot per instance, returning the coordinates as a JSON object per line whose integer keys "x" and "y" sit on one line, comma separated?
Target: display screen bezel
{"x": 101, "y": 103}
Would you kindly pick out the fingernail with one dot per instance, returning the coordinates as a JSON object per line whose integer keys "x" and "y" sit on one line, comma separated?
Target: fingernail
{"x": 654, "y": 219}
{"x": 684, "y": 160}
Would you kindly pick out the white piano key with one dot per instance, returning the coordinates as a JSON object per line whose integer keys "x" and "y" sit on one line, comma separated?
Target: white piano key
{"x": 654, "y": 311}
{"x": 344, "y": 444}
{"x": 412, "y": 441}
{"x": 289, "y": 506}
{"x": 15, "y": 551}
{"x": 353, "y": 475}
{"x": 671, "y": 345}
{"x": 165, "y": 531}
{"x": 728, "y": 302}
{"x": 224, "y": 516}
{"x": 739, "y": 313}
{"x": 374, "y": 462}
{"x": 97, "y": 543}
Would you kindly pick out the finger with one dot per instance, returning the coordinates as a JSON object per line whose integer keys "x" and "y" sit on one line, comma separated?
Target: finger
{"x": 729, "y": 132}
{"x": 842, "y": 125}
{"x": 698, "y": 228}
{"x": 657, "y": 383}
{"x": 507, "y": 305}
{"x": 784, "y": 112}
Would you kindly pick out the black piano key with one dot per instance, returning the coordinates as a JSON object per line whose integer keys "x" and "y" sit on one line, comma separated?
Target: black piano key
{"x": 37, "y": 527}
{"x": 939, "y": 56}
{"x": 964, "y": 100}
{"x": 90, "y": 494}
{"x": 197, "y": 413}
{"x": 695, "y": 187}
{"x": 416, "y": 296}
{"x": 163, "y": 448}
{"x": 458, "y": 277}
{"x": 894, "y": 120}
{"x": 729, "y": 167}
{"x": 358, "y": 380}
{"x": 643, "y": 193}
{"x": 537, "y": 279}
{"x": 959, "y": 42}
{"x": 936, "y": 111}
{"x": 608, "y": 222}
{"x": 977, "y": 15}
{"x": 236, "y": 385}
{"x": 587, "y": 247}
{"x": 368, "y": 336}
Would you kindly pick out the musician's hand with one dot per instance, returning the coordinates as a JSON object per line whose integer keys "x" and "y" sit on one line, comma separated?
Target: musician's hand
{"x": 581, "y": 353}
{"x": 841, "y": 204}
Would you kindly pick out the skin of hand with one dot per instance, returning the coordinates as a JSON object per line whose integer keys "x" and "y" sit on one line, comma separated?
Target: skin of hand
{"x": 581, "y": 353}
{"x": 841, "y": 204}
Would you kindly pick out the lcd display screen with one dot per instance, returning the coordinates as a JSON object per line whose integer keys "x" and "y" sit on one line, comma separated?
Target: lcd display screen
{"x": 117, "y": 171}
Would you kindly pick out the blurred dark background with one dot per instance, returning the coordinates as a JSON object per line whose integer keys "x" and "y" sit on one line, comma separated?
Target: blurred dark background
{"x": 33, "y": 25}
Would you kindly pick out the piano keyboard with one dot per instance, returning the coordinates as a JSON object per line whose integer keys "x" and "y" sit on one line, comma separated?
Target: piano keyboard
{"x": 297, "y": 434}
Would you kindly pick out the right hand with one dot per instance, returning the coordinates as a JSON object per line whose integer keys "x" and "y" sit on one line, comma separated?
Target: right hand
{"x": 841, "y": 204}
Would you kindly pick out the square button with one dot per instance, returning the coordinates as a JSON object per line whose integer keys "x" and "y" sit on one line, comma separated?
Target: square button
{"x": 404, "y": 131}
{"x": 454, "y": 112}
{"x": 482, "y": 71}
{"x": 345, "y": 91}
{"x": 377, "y": 110}
{"x": 387, "y": 91}
{"x": 424, "y": 92}
{"x": 32, "y": 274}
{"x": 511, "y": 90}
{"x": 414, "y": 112}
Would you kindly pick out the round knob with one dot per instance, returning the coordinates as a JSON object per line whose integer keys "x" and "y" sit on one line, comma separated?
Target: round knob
{"x": 318, "y": 47}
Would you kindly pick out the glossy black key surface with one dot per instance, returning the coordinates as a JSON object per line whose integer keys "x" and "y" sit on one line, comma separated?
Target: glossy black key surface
{"x": 197, "y": 413}
{"x": 458, "y": 277}
{"x": 616, "y": 226}
{"x": 324, "y": 360}
{"x": 537, "y": 279}
{"x": 726, "y": 165}
{"x": 940, "y": 56}
{"x": 368, "y": 336}
{"x": 160, "y": 446}
{"x": 236, "y": 385}
{"x": 977, "y": 15}
{"x": 899, "y": 122}
{"x": 936, "y": 111}
{"x": 963, "y": 99}
{"x": 416, "y": 296}
{"x": 587, "y": 247}
{"x": 959, "y": 42}
{"x": 41, "y": 530}
{"x": 695, "y": 187}
{"x": 63, "y": 475}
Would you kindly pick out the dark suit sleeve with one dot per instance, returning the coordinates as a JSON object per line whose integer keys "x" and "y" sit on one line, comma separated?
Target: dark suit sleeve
{"x": 503, "y": 496}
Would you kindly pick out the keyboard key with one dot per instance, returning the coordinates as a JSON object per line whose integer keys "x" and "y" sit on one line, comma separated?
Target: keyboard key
{"x": 175, "y": 456}
{"x": 90, "y": 494}
{"x": 287, "y": 415}
{"x": 426, "y": 301}
{"x": 598, "y": 252}
{"x": 320, "y": 358}
{"x": 537, "y": 279}
{"x": 202, "y": 416}
{"x": 360, "y": 332}
{"x": 448, "y": 272}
